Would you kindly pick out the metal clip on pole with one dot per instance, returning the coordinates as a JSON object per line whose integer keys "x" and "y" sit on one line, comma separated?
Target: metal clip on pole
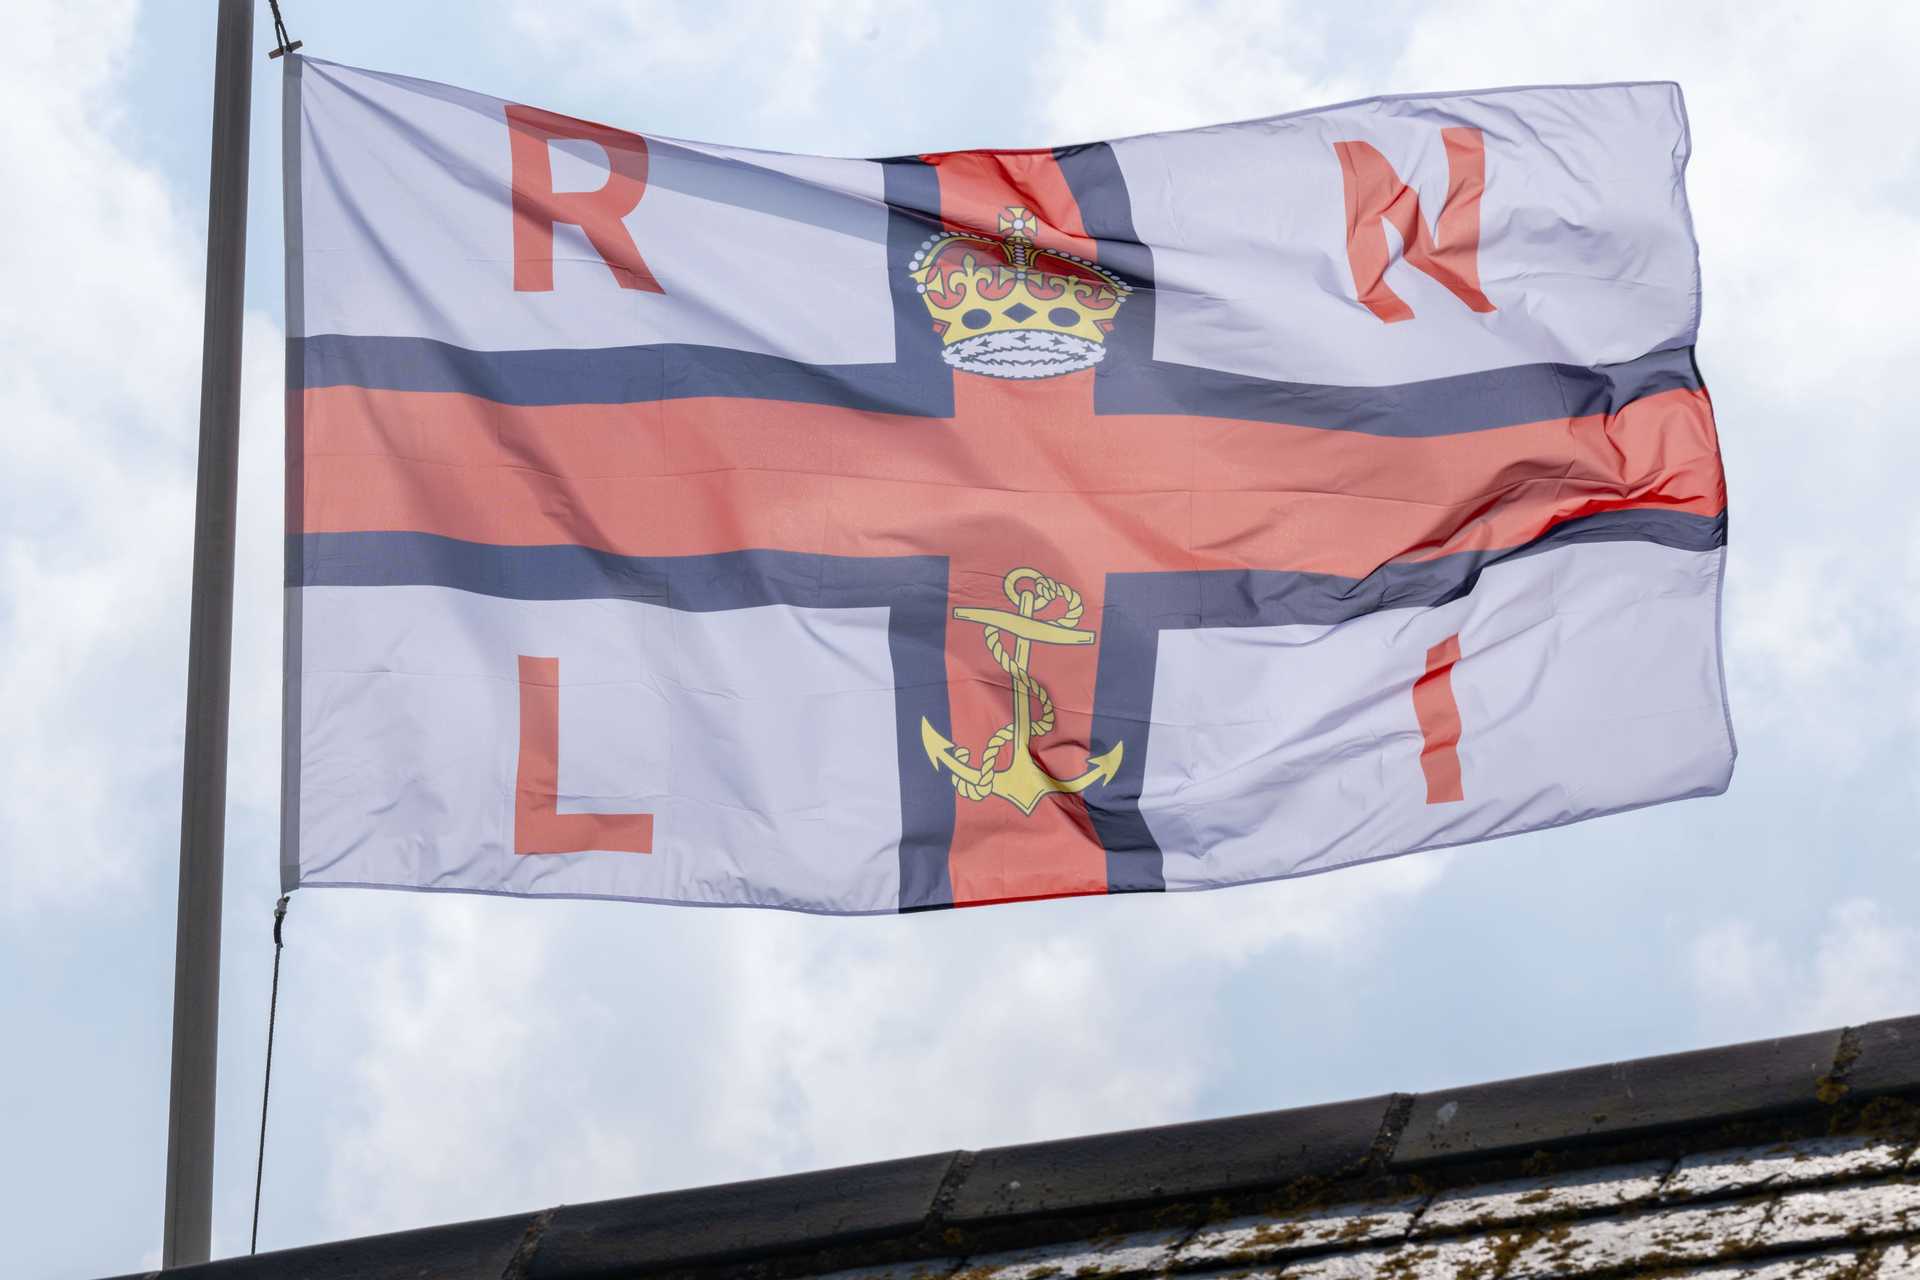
{"x": 280, "y": 33}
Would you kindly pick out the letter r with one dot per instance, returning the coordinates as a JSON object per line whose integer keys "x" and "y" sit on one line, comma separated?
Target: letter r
{"x": 537, "y": 206}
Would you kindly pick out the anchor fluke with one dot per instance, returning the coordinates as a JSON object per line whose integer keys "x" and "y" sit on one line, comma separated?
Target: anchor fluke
{"x": 944, "y": 755}
{"x": 1105, "y": 766}
{"x": 938, "y": 746}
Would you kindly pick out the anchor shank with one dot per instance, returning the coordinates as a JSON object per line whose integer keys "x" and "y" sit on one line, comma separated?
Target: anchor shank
{"x": 1022, "y": 703}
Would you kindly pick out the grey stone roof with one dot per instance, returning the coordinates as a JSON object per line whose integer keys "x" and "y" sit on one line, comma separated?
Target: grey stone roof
{"x": 1792, "y": 1157}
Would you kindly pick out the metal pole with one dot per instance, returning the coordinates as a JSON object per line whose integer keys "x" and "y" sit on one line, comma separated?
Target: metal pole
{"x": 203, "y": 795}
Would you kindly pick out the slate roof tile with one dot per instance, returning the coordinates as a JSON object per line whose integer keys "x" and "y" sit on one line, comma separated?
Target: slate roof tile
{"x": 1715, "y": 1173}
{"x": 1553, "y": 1195}
{"x": 1431, "y": 1260}
{"x": 1145, "y": 1253}
{"x": 1871, "y": 1211}
{"x": 1841, "y": 1264}
{"x": 1262, "y": 1238}
{"x": 1663, "y": 1238}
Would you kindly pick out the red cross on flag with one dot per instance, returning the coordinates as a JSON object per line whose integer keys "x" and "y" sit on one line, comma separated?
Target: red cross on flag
{"x": 690, "y": 524}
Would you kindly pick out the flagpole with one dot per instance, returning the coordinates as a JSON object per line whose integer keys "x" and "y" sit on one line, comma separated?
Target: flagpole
{"x": 188, "y": 1235}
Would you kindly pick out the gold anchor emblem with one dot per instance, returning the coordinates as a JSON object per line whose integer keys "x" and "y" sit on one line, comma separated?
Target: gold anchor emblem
{"x": 1022, "y": 781}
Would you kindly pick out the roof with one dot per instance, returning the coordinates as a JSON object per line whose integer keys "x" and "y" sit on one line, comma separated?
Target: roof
{"x": 1789, "y": 1157}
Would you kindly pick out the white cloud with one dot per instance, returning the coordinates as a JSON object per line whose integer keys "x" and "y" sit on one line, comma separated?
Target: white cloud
{"x": 505, "y": 1054}
{"x": 783, "y": 57}
{"x": 438, "y": 1058}
{"x": 99, "y": 349}
{"x": 1137, "y": 66}
{"x": 1815, "y": 638}
{"x": 1862, "y": 966}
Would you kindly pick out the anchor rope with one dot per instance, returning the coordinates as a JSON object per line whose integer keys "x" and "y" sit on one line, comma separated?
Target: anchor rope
{"x": 1043, "y": 591}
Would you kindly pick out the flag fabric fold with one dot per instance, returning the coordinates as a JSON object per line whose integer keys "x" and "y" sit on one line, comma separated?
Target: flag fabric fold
{"x": 691, "y": 524}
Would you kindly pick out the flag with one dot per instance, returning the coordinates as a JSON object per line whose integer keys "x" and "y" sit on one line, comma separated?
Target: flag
{"x": 691, "y": 524}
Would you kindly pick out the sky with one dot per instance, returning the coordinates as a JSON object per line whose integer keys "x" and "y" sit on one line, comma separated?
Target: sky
{"x": 444, "y": 1057}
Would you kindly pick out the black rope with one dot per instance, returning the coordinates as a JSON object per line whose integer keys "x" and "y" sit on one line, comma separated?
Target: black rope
{"x": 280, "y": 33}
{"x": 273, "y": 1009}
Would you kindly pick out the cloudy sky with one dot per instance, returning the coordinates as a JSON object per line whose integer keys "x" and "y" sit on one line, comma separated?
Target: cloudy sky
{"x": 446, "y": 1057}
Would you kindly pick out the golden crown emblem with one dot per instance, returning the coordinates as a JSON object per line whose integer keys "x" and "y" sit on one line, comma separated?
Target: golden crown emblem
{"x": 1007, "y": 308}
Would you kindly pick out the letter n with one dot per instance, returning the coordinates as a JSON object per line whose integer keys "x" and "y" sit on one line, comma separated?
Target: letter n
{"x": 1376, "y": 195}
{"x": 537, "y": 206}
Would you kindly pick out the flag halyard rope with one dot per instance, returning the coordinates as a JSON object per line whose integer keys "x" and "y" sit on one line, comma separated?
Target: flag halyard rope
{"x": 266, "y": 1079}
